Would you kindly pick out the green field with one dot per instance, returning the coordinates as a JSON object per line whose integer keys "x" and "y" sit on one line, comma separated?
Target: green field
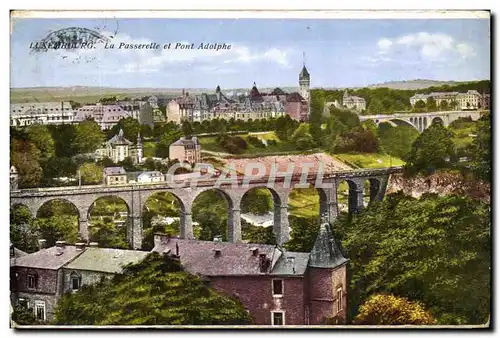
{"x": 369, "y": 160}
{"x": 462, "y": 133}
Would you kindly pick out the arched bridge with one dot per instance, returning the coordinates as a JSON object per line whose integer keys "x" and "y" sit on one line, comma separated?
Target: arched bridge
{"x": 233, "y": 190}
{"x": 422, "y": 121}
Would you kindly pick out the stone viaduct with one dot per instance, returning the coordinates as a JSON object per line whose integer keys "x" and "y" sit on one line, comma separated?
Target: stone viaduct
{"x": 233, "y": 190}
{"x": 422, "y": 121}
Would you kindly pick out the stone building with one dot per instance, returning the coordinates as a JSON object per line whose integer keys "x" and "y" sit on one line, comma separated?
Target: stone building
{"x": 25, "y": 114}
{"x": 470, "y": 100}
{"x": 276, "y": 286}
{"x": 185, "y": 150}
{"x": 114, "y": 176}
{"x": 39, "y": 279}
{"x": 353, "y": 102}
{"x": 105, "y": 115}
{"x": 118, "y": 148}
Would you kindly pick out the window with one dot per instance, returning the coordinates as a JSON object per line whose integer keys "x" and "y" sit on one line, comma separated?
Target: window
{"x": 75, "y": 281}
{"x": 40, "y": 310}
{"x": 339, "y": 299}
{"x": 32, "y": 281}
{"x": 278, "y": 287}
{"x": 277, "y": 318}
{"x": 23, "y": 302}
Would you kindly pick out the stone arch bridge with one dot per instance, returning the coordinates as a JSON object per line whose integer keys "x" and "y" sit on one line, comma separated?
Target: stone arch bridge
{"x": 135, "y": 196}
{"x": 422, "y": 121}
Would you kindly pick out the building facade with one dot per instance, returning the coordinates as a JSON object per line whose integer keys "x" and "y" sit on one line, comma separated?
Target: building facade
{"x": 118, "y": 148}
{"x": 470, "y": 100}
{"x": 25, "y": 114}
{"x": 114, "y": 176}
{"x": 186, "y": 150}
{"x": 353, "y": 102}
{"x": 276, "y": 286}
{"x": 105, "y": 115}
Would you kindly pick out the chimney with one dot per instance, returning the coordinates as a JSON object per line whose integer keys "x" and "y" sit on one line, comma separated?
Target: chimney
{"x": 60, "y": 244}
{"x": 41, "y": 244}
{"x": 177, "y": 249}
{"x": 263, "y": 263}
{"x": 218, "y": 238}
{"x": 94, "y": 244}
{"x": 80, "y": 246}
{"x": 217, "y": 252}
{"x": 255, "y": 251}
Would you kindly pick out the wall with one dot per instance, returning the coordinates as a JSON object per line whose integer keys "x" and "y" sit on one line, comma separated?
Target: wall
{"x": 87, "y": 277}
{"x": 323, "y": 285}
{"x": 255, "y": 292}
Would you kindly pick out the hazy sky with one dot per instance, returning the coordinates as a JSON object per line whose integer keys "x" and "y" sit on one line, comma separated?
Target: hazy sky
{"x": 339, "y": 52}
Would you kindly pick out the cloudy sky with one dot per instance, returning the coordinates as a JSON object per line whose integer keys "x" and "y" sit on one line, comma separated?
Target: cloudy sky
{"x": 339, "y": 52}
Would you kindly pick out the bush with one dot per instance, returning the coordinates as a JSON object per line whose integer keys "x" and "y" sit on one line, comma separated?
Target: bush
{"x": 232, "y": 144}
{"x": 256, "y": 142}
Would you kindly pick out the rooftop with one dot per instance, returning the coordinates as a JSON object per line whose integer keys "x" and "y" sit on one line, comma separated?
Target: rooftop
{"x": 212, "y": 258}
{"x": 51, "y": 258}
{"x": 114, "y": 171}
{"x": 105, "y": 259}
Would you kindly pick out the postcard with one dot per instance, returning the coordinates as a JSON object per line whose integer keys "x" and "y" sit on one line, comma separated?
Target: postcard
{"x": 239, "y": 169}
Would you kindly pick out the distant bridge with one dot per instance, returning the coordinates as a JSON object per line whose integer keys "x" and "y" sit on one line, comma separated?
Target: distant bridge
{"x": 232, "y": 190}
{"x": 422, "y": 121}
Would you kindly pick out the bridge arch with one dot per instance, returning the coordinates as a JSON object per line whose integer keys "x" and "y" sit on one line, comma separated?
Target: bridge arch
{"x": 396, "y": 121}
{"x": 109, "y": 221}
{"x": 437, "y": 119}
{"x": 371, "y": 190}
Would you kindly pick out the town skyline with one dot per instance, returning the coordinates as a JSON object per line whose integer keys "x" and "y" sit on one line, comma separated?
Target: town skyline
{"x": 360, "y": 53}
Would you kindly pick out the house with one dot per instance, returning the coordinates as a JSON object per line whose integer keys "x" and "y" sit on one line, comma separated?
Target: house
{"x": 118, "y": 148}
{"x": 105, "y": 115}
{"x": 114, "y": 176}
{"x": 454, "y": 100}
{"x": 353, "y": 102}
{"x": 39, "y": 279}
{"x": 150, "y": 176}
{"x": 186, "y": 150}
{"x": 276, "y": 286}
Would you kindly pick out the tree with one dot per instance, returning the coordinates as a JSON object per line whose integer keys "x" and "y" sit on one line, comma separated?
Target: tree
{"x": 187, "y": 129}
{"x": 153, "y": 292}
{"x": 257, "y": 201}
{"x": 432, "y": 150}
{"x": 108, "y": 233}
{"x": 25, "y": 156}
{"x": 257, "y": 234}
{"x": 41, "y": 137}
{"x": 443, "y": 105}
{"x": 356, "y": 140}
{"x": 454, "y": 104}
{"x": 88, "y": 137}
{"x": 420, "y": 106}
{"x": 169, "y": 137}
{"x": 91, "y": 173}
{"x": 130, "y": 126}
{"x": 375, "y": 107}
{"x": 20, "y": 235}
{"x": 56, "y": 228}
{"x": 435, "y": 250}
{"x": 303, "y": 233}
{"x": 128, "y": 164}
{"x": 23, "y": 315}
{"x": 392, "y": 310}
{"x": 431, "y": 104}
{"x": 396, "y": 141}
{"x": 481, "y": 149}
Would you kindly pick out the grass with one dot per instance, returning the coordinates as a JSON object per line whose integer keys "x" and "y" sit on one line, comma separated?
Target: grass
{"x": 369, "y": 160}
{"x": 461, "y": 137}
{"x": 304, "y": 202}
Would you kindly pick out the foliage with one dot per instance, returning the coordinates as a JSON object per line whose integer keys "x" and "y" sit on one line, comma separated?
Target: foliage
{"x": 303, "y": 233}
{"x": 25, "y": 156}
{"x": 169, "y": 136}
{"x": 255, "y": 141}
{"x": 108, "y": 233}
{"x": 257, "y": 234}
{"x": 88, "y": 137}
{"x": 91, "y": 173}
{"x": 56, "y": 228}
{"x": 433, "y": 149}
{"x": 420, "y": 106}
{"x": 20, "y": 235}
{"x": 210, "y": 211}
{"x": 153, "y": 292}
{"x": 130, "y": 126}
{"x": 41, "y": 137}
{"x": 435, "y": 250}
{"x": 187, "y": 129}
{"x": 24, "y": 316}
{"x": 392, "y": 310}
{"x": 285, "y": 126}
{"x": 431, "y": 104}
{"x": 233, "y": 144}
{"x": 481, "y": 149}
{"x": 257, "y": 201}
{"x": 396, "y": 141}
{"x": 357, "y": 139}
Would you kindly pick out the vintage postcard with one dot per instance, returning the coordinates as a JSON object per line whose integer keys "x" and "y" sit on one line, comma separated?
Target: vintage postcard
{"x": 250, "y": 169}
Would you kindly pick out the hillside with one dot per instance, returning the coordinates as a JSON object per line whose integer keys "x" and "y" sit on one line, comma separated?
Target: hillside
{"x": 415, "y": 84}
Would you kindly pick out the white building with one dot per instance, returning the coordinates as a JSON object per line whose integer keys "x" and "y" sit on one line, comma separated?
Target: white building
{"x": 118, "y": 148}
{"x": 150, "y": 176}
{"x": 105, "y": 115}
{"x": 25, "y": 114}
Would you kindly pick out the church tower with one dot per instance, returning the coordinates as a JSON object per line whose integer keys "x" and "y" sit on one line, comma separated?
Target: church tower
{"x": 304, "y": 85}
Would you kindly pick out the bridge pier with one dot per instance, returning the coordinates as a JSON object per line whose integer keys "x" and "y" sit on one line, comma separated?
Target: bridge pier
{"x": 234, "y": 225}
{"x": 83, "y": 228}
{"x": 186, "y": 225}
{"x": 136, "y": 232}
{"x": 281, "y": 226}
{"x": 356, "y": 198}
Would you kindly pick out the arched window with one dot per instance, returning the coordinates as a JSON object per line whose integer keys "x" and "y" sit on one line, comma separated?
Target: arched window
{"x": 76, "y": 281}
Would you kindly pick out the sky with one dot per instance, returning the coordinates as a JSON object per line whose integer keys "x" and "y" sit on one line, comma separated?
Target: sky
{"x": 270, "y": 52}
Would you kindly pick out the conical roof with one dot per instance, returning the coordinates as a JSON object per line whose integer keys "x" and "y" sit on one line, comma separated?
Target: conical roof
{"x": 254, "y": 92}
{"x": 304, "y": 74}
{"x": 326, "y": 253}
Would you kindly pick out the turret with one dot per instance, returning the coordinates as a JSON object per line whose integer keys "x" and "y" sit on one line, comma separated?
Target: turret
{"x": 139, "y": 148}
{"x": 304, "y": 86}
